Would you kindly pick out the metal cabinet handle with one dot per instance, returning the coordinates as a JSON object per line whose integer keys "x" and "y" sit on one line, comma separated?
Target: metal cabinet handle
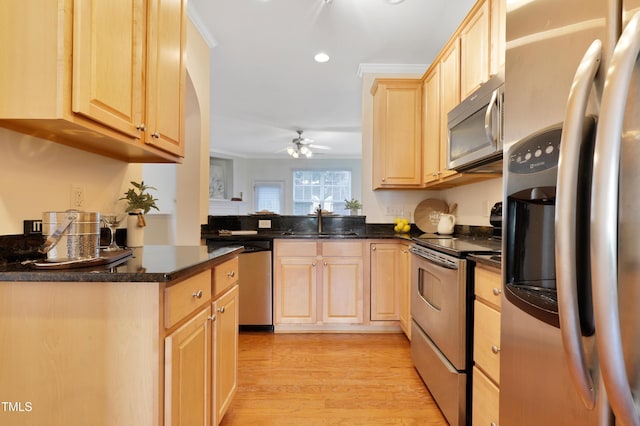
{"x": 313, "y": 264}
{"x": 494, "y": 424}
{"x": 325, "y": 263}
{"x": 221, "y": 310}
{"x": 212, "y": 317}
{"x": 197, "y": 294}
{"x": 155, "y": 135}
{"x": 231, "y": 274}
{"x": 495, "y": 349}
{"x": 141, "y": 127}
{"x": 496, "y": 291}
{"x": 374, "y": 248}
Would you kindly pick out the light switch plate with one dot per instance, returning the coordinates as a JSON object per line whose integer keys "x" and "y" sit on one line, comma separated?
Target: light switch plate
{"x": 264, "y": 223}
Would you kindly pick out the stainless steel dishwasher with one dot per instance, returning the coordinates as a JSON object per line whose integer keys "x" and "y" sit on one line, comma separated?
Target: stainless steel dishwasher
{"x": 256, "y": 285}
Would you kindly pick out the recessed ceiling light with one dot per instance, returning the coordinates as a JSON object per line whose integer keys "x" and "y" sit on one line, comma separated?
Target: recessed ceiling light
{"x": 321, "y": 57}
{"x": 394, "y": 1}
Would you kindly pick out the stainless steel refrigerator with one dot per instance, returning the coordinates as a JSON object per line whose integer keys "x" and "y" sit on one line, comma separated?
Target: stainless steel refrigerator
{"x": 570, "y": 324}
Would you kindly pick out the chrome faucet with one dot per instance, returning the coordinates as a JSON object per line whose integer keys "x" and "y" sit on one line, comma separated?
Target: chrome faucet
{"x": 319, "y": 213}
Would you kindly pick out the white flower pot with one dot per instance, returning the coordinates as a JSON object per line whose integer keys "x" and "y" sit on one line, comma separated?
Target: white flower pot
{"x": 135, "y": 229}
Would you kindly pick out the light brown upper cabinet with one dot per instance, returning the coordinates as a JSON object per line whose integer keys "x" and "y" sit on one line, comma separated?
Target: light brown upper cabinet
{"x": 431, "y": 126}
{"x": 397, "y": 133}
{"x": 474, "y": 50}
{"x": 105, "y": 77}
{"x": 460, "y": 68}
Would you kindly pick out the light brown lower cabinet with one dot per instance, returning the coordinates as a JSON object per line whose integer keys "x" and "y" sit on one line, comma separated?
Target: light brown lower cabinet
{"x": 225, "y": 340}
{"x": 119, "y": 353}
{"x": 318, "y": 283}
{"x": 486, "y": 346}
{"x": 201, "y": 364}
{"x": 188, "y": 372}
{"x": 324, "y": 285}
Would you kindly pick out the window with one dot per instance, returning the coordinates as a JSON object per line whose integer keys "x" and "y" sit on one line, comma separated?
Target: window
{"x": 328, "y": 188}
{"x": 268, "y": 196}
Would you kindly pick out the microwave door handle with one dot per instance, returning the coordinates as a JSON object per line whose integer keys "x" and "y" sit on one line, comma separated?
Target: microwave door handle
{"x": 488, "y": 122}
{"x": 565, "y": 222}
{"x": 604, "y": 224}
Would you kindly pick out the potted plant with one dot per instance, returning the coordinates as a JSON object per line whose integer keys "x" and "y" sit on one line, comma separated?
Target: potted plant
{"x": 139, "y": 203}
{"x": 353, "y": 205}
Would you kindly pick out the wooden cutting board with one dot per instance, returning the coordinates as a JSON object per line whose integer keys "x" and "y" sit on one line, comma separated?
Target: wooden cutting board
{"x": 427, "y": 214}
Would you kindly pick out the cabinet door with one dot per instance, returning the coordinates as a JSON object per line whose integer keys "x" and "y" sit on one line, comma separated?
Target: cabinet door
{"x": 107, "y": 55}
{"x": 449, "y": 98}
{"x": 431, "y": 127}
{"x": 166, "y": 73}
{"x": 385, "y": 278}
{"x": 397, "y": 133}
{"x": 187, "y": 373}
{"x": 486, "y": 400}
{"x": 405, "y": 290}
{"x": 295, "y": 290}
{"x": 497, "y": 32}
{"x": 486, "y": 340}
{"x": 474, "y": 51}
{"x": 342, "y": 289}
{"x": 226, "y": 353}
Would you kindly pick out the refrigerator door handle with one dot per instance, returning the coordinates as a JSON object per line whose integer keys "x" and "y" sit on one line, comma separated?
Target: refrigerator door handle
{"x": 604, "y": 224}
{"x": 565, "y": 222}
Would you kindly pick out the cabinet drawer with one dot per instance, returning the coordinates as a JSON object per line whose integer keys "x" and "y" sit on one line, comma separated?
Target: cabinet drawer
{"x": 296, "y": 248}
{"x": 486, "y": 400}
{"x": 225, "y": 275}
{"x": 184, "y": 297}
{"x": 488, "y": 284}
{"x": 486, "y": 341}
{"x": 342, "y": 248}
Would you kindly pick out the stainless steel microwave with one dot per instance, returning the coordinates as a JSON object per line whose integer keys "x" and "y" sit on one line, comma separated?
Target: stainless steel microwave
{"x": 475, "y": 130}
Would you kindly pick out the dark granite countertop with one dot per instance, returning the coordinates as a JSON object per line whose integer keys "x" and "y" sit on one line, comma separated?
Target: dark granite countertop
{"x": 146, "y": 264}
{"x": 486, "y": 259}
{"x": 214, "y": 236}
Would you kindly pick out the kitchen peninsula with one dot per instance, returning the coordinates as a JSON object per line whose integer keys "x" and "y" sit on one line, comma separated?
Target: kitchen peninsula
{"x": 149, "y": 341}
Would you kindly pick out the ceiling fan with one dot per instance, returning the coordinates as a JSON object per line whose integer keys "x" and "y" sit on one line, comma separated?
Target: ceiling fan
{"x": 302, "y": 146}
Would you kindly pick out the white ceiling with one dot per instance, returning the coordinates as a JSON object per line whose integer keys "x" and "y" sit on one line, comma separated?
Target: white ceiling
{"x": 265, "y": 83}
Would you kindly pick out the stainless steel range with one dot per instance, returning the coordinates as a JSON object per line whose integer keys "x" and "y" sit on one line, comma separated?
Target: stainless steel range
{"x": 441, "y": 303}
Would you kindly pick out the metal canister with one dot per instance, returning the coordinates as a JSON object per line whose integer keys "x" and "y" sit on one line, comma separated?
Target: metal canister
{"x": 71, "y": 235}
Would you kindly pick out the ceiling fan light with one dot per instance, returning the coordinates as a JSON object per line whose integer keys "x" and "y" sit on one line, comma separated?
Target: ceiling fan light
{"x": 308, "y": 153}
{"x": 290, "y": 150}
{"x": 295, "y": 154}
{"x": 304, "y": 150}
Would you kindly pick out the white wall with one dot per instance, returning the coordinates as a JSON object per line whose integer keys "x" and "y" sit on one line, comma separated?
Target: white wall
{"x": 247, "y": 171}
{"x": 36, "y": 176}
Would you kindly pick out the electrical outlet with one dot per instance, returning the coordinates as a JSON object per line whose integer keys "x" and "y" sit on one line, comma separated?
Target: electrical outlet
{"x": 77, "y": 196}
{"x": 32, "y": 227}
{"x": 486, "y": 208}
{"x": 264, "y": 223}
{"x": 393, "y": 211}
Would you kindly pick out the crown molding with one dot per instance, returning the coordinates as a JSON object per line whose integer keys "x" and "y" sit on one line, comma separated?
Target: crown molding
{"x": 391, "y": 69}
{"x": 201, "y": 27}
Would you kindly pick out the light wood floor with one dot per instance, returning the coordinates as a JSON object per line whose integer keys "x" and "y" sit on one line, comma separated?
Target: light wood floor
{"x": 329, "y": 379}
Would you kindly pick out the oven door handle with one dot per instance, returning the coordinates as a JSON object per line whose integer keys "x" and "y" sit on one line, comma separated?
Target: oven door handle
{"x": 434, "y": 259}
